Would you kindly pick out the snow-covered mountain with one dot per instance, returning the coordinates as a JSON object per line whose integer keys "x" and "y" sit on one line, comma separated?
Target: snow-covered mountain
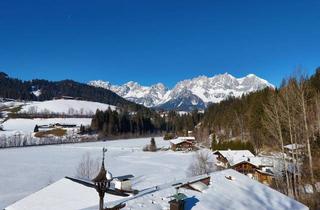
{"x": 187, "y": 94}
{"x": 147, "y": 96}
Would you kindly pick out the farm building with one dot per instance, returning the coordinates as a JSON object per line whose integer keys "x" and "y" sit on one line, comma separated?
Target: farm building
{"x": 182, "y": 143}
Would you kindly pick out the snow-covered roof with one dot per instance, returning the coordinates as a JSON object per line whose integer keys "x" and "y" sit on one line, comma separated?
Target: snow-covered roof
{"x": 256, "y": 161}
{"x": 181, "y": 139}
{"x": 235, "y": 156}
{"x": 189, "y": 138}
{"x": 222, "y": 194}
{"x": 294, "y": 146}
{"x": 63, "y": 195}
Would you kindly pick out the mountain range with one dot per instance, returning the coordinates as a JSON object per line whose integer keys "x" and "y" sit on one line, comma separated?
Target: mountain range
{"x": 188, "y": 94}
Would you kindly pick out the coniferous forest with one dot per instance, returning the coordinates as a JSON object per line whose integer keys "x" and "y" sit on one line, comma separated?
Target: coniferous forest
{"x": 143, "y": 122}
{"x": 22, "y": 90}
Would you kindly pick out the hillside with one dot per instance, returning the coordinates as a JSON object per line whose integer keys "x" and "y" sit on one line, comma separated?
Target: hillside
{"x": 42, "y": 90}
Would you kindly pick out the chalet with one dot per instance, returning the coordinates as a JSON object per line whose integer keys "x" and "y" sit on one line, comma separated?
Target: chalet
{"x": 245, "y": 166}
{"x": 245, "y": 162}
{"x": 227, "y": 158}
{"x": 183, "y": 143}
{"x": 265, "y": 176}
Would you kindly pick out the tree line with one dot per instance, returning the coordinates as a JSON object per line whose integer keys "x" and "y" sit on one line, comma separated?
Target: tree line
{"x": 113, "y": 123}
{"x": 22, "y": 90}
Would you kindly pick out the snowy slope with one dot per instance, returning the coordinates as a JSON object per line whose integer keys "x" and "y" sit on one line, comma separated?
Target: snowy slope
{"x": 63, "y": 106}
{"x": 222, "y": 191}
{"x": 27, "y": 125}
{"x": 48, "y": 164}
{"x": 201, "y": 91}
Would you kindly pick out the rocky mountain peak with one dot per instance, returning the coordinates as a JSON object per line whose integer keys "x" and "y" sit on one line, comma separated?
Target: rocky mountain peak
{"x": 192, "y": 93}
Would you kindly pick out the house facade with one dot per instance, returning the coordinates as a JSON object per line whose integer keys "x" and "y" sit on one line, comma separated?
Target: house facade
{"x": 183, "y": 143}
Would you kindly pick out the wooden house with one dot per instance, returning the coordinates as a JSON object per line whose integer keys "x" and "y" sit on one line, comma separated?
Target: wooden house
{"x": 264, "y": 176}
{"x": 246, "y": 163}
{"x": 227, "y": 158}
{"x": 183, "y": 143}
{"x": 245, "y": 167}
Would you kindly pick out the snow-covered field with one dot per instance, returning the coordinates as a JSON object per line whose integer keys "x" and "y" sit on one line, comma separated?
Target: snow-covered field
{"x": 26, "y": 170}
{"x": 27, "y": 125}
{"x": 64, "y": 106}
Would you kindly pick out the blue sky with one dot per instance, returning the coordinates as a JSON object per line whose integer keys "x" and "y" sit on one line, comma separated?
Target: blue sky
{"x": 159, "y": 40}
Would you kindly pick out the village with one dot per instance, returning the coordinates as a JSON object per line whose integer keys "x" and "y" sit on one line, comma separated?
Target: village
{"x": 231, "y": 167}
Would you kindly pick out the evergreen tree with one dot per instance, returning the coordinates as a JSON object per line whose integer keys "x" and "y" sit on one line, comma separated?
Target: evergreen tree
{"x": 36, "y": 129}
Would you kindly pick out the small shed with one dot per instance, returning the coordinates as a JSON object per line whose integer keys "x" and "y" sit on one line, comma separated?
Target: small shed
{"x": 123, "y": 183}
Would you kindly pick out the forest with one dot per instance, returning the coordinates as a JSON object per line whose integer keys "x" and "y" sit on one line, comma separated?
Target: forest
{"x": 122, "y": 123}
{"x": 272, "y": 118}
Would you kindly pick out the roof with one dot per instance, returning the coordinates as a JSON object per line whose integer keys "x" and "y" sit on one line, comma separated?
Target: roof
{"x": 235, "y": 156}
{"x": 123, "y": 178}
{"x": 182, "y": 139}
{"x": 63, "y": 195}
{"x": 222, "y": 194}
{"x": 189, "y": 138}
{"x": 256, "y": 161}
{"x": 294, "y": 146}
{"x": 199, "y": 186}
{"x": 252, "y": 161}
{"x": 266, "y": 172}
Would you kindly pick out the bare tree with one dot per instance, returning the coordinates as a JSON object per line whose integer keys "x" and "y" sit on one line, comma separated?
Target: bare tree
{"x": 202, "y": 163}
{"x": 289, "y": 107}
{"x": 272, "y": 122}
{"x": 88, "y": 168}
{"x": 302, "y": 91}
